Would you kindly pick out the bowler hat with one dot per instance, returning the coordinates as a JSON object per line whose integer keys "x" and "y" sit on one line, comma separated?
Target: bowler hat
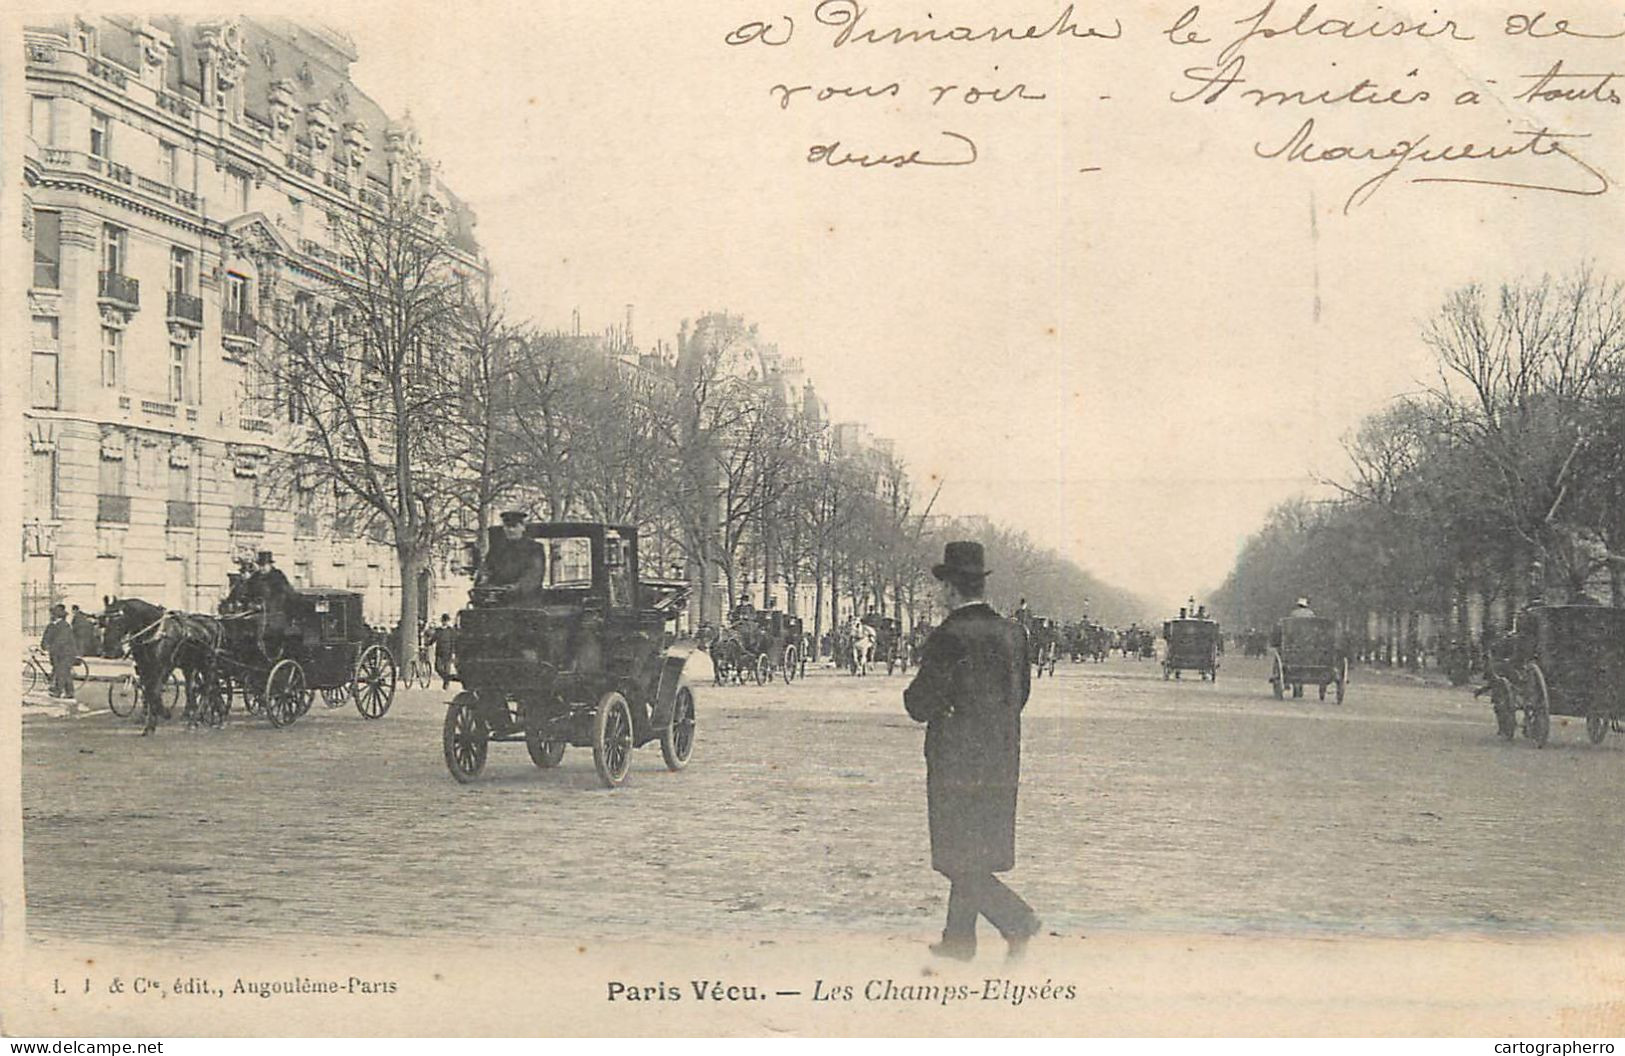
{"x": 59, "y": 609}
{"x": 959, "y": 561}
{"x": 263, "y": 557}
{"x": 514, "y": 517}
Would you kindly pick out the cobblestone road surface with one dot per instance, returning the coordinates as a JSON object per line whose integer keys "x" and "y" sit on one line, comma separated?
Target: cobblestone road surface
{"x": 1145, "y": 805}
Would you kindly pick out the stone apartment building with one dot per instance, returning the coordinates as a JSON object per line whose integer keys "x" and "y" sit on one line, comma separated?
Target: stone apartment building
{"x": 182, "y": 183}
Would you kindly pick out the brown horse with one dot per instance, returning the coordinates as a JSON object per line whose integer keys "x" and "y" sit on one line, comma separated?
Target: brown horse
{"x": 161, "y": 641}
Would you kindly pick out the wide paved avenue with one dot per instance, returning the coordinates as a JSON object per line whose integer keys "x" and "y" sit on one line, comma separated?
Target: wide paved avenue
{"x": 1145, "y": 805}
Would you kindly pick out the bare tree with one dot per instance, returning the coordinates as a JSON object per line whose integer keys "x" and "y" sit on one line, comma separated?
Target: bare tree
{"x": 365, "y": 371}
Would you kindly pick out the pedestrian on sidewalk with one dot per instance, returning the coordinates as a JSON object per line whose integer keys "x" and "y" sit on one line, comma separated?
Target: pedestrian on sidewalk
{"x": 443, "y": 639}
{"x": 972, "y": 684}
{"x": 63, "y": 649}
{"x": 85, "y": 632}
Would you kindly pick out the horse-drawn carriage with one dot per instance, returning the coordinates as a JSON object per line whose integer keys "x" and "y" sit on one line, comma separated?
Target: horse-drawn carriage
{"x": 888, "y": 643}
{"x": 1193, "y": 645}
{"x": 758, "y": 644}
{"x": 1307, "y": 650}
{"x": 1043, "y": 645}
{"x": 582, "y": 661}
{"x": 280, "y": 654}
{"x": 272, "y": 645}
{"x": 1560, "y": 660}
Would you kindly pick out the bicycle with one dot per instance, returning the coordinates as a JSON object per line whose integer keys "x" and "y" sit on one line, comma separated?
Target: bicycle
{"x": 37, "y": 672}
{"x": 125, "y": 697}
{"x": 420, "y": 672}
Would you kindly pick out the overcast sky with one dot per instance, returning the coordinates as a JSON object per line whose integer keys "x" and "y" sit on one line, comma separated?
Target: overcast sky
{"x": 1132, "y": 364}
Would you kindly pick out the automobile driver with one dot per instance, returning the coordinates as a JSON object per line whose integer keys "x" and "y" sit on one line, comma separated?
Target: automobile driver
{"x": 516, "y": 565}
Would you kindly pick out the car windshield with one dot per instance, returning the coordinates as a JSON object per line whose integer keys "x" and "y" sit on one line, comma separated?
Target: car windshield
{"x": 569, "y": 562}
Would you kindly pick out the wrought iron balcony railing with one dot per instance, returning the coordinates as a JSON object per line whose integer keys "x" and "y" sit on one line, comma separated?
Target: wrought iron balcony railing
{"x": 120, "y": 289}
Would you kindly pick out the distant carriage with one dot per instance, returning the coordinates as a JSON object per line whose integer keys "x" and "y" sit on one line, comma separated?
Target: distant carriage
{"x": 1193, "y": 645}
{"x": 1308, "y": 650}
{"x": 1043, "y": 645}
{"x": 1560, "y": 660}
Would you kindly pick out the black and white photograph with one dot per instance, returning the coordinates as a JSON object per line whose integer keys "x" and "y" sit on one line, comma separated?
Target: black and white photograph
{"x": 815, "y": 518}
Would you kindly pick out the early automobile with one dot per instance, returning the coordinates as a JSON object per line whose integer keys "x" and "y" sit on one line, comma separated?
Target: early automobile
{"x": 1560, "y": 660}
{"x": 582, "y": 660}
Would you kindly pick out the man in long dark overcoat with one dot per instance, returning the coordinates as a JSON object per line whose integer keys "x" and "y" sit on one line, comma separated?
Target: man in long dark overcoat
{"x": 63, "y": 649}
{"x": 972, "y": 684}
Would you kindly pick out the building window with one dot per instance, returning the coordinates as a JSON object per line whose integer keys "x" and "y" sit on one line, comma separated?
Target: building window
{"x": 42, "y": 120}
{"x": 46, "y": 376}
{"x": 101, "y": 135}
{"x": 115, "y": 243}
{"x": 180, "y": 483}
{"x": 180, "y": 372}
{"x": 47, "y": 249}
{"x": 111, "y": 478}
{"x": 237, "y": 301}
{"x": 168, "y": 167}
{"x": 112, "y": 355}
{"x": 85, "y": 38}
{"x": 43, "y": 484}
{"x": 241, "y": 187}
{"x": 180, "y": 270}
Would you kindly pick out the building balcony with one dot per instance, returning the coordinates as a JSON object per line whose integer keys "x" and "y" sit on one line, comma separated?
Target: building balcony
{"x": 336, "y": 181}
{"x": 163, "y": 410}
{"x": 108, "y": 72}
{"x": 248, "y": 519}
{"x": 113, "y": 509}
{"x": 181, "y": 514}
{"x": 40, "y": 53}
{"x": 239, "y": 330}
{"x": 185, "y": 308}
{"x": 186, "y": 199}
{"x": 303, "y": 166}
{"x": 119, "y": 289}
{"x": 120, "y": 174}
{"x": 176, "y": 105}
{"x": 254, "y": 425}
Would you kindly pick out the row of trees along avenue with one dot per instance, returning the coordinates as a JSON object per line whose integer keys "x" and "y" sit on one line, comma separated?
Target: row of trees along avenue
{"x": 1502, "y": 481}
{"x": 415, "y": 410}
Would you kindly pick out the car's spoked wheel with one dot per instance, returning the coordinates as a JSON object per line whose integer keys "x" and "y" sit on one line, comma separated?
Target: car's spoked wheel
{"x": 677, "y": 739}
{"x": 464, "y": 739}
{"x": 789, "y": 663}
{"x": 374, "y": 684}
{"x": 612, "y": 739}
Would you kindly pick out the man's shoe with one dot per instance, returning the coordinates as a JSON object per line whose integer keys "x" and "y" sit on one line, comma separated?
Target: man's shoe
{"x": 1018, "y": 942}
{"x": 955, "y": 949}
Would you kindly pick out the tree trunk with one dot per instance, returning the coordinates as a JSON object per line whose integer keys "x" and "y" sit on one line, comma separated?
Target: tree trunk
{"x": 411, "y": 562}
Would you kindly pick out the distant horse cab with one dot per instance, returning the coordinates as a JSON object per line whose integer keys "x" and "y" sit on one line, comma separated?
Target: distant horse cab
{"x": 1560, "y": 660}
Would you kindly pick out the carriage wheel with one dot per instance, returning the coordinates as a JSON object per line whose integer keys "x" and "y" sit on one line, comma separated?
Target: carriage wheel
{"x": 677, "y": 739}
{"x": 789, "y": 663}
{"x": 1596, "y": 726}
{"x": 543, "y": 752}
{"x": 1278, "y": 676}
{"x": 764, "y": 669}
{"x": 464, "y": 739}
{"x": 284, "y": 693}
{"x": 335, "y": 697}
{"x": 374, "y": 684}
{"x": 1342, "y": 678}
{"x": 1538, "y": 705}
{"x": 612, "y": 739}
{"x": 202, "y": 688}
{"x": 305, "y": 702}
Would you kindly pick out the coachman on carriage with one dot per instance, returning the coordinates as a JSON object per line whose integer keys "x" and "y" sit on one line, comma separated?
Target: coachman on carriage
{"x": 272, "y": 644}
